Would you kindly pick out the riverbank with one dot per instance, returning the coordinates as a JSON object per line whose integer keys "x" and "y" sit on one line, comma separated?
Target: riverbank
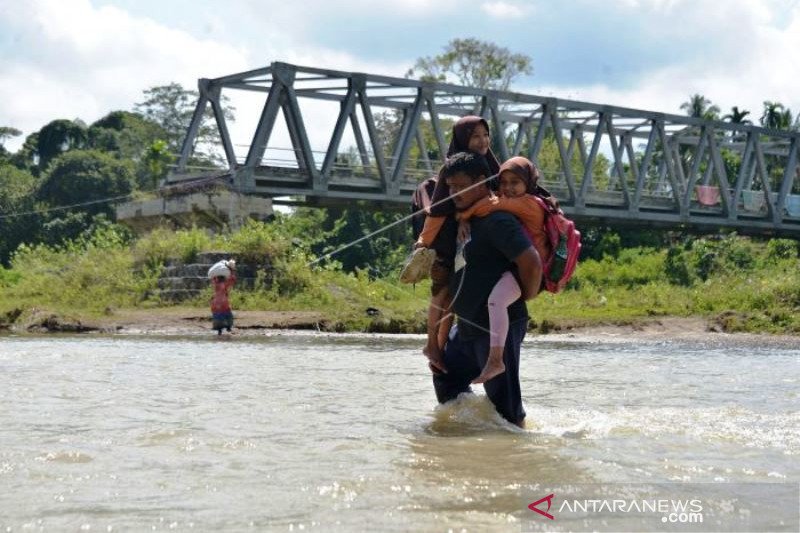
{"x": 732, "y": 283}
{"x": 188, "y": 321}
{"x": 160, "y": 321}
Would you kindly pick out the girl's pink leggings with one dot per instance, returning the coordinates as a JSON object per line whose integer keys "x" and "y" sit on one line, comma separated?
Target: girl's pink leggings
{"x": 504, "y": 293}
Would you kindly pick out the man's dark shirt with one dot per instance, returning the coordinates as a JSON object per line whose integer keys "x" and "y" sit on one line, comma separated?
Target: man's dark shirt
{"x": 495, "y": 241}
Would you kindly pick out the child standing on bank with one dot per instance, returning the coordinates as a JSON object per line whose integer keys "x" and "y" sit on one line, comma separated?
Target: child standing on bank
{"x": 518, "y": 182}
{"x": 470, "y": 134}
{"x": 221, "y": 314}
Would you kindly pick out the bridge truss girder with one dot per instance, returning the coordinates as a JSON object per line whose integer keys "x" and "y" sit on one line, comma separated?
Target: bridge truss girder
{"x": 614, "y": 164}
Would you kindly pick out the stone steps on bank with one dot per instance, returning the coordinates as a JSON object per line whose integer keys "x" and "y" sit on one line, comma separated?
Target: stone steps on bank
{"x": 179, "y": 281}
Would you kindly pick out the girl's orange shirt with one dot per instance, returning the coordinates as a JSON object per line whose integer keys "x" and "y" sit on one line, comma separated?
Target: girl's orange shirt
{"x": 525, "y": 208}
{"x": 430, "y": 230}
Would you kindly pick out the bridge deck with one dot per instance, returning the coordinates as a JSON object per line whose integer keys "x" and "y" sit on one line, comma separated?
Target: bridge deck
{"x": 612, "y": 164}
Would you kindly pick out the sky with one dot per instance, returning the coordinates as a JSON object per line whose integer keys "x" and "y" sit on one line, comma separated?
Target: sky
{"x": 84, "y": 58}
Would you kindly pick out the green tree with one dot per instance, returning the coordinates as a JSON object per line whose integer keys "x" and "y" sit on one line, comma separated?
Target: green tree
{"x": 379, "y": 255}
{"x": 83, "y": 176}
{"x": 6, "y": 132}
{"x": 171, "y": 107}
{"x": 63, "y": 227}
{"x": 14, "y": 184}
{"x": 389, "y": 123}
{"x": 125, "y": 134}
{"x": 473, "y": 63}
{"x": 154, "y": 165}
{"x": 698, "y": 106}
{"x": 737, "y": 116}
{"x": 57, "y": 137}
{"x": 470, "y": 62}
{"x": 16, "y": 197}
{"x": 26, "y": 158}
{"x": 132, "y": 137}
{"x": 775, "y": 116}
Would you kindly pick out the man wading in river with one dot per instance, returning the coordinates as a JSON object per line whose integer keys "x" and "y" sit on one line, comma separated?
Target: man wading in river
{"x": 496, "y": 245}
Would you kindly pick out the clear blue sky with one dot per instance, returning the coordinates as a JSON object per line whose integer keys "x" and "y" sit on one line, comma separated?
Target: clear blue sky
{"x": 84, "y": 58}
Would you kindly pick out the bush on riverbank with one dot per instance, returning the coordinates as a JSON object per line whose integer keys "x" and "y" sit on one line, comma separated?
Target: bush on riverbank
{"x": 742, "y": 284}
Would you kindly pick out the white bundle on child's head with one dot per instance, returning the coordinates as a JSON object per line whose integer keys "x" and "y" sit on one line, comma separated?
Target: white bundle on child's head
{"x": 220, "y": 268}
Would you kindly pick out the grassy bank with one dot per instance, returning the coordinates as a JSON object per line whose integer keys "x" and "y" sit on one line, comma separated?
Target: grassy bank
{"x": 742, "y": 284}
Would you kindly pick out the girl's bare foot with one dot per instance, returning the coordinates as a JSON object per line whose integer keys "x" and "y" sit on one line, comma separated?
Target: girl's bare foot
{"x": 492, "y": 369}
{"x": 494, "y": 366}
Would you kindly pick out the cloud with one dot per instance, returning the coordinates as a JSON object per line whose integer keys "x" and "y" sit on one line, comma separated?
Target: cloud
{"x": 73, "y": 60}
{"x": 504, "y": 10}
{"x": 414, "y": 6}
{"x": 745, "y": 56}
{"x": 77, "y": 58}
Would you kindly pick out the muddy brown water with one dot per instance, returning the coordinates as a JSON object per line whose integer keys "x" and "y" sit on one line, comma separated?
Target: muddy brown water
{"x": 293, "y": 432}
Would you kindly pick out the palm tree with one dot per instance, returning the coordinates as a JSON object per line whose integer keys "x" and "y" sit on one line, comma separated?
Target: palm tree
{"x": 736, "y": 116}
{"x": 698, "y": 106}
{"x": 776, "y": 116}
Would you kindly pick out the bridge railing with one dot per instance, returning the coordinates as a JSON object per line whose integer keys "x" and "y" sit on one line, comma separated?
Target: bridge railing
{"x": 604, "y": 162}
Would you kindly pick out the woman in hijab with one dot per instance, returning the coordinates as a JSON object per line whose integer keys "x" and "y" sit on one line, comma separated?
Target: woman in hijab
{"x": 470, "y": 134}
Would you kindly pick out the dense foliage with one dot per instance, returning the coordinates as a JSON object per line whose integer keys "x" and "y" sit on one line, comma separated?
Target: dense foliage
{"x": 68, "y": 172}
{"x": 740, "y": 283}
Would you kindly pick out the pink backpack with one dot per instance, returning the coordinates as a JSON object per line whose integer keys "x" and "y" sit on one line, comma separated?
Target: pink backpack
{"x": 565, "y": 241}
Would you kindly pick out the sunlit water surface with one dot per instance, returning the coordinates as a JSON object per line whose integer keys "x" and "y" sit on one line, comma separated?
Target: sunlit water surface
{"x": 308, "y": 432}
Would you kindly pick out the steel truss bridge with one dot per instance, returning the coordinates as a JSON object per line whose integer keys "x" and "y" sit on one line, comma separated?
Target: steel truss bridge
{"x": 606, "y": 164}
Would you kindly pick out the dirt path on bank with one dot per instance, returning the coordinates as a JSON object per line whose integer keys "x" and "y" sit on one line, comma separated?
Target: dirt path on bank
{"x": 693, "y": 329}
{"x": 190, "y": 321}
{"x": 165, "y": 321}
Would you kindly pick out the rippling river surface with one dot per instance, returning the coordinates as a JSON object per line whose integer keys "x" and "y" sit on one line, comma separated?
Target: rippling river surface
{"x": 310, "y": 432}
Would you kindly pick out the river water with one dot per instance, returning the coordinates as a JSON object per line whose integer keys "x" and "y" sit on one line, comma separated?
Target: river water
{"x": 291, "y": 432}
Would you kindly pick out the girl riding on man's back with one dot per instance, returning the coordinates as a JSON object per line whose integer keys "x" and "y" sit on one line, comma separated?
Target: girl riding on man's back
{"x": 518, "y": 179}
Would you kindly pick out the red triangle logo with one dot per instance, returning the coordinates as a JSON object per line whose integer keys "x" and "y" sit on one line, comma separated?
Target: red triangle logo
{"x": 549, "y": 500}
